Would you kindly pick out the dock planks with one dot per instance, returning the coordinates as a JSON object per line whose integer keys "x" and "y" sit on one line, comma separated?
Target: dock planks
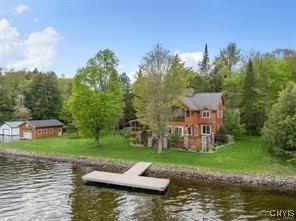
{"x": 131, "y": 178}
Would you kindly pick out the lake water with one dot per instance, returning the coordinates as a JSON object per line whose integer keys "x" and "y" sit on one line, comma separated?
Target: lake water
{"x": 34, "y": 190}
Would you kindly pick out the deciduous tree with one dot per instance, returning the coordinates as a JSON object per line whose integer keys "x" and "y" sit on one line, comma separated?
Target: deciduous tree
{"x": 162, "y": 80}
{"x": 97, "y": 97}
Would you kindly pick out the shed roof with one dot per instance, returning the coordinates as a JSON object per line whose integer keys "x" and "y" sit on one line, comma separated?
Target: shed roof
{"x": 199, "y": 101}
{"x": 45, "y": 123}
{"x": 13, "y": 124}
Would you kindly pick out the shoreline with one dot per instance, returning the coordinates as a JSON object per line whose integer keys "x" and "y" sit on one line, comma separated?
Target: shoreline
{"x": 281, "y": 183}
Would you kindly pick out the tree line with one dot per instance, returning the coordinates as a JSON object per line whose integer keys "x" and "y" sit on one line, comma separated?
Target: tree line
{"x": 98, "y": 98}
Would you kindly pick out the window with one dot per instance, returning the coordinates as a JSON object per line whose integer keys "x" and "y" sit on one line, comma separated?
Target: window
{"x": 206, "y": 114}
{"x": 206, "y": 129}
{"x": 45, "y": 131}
{"x": 188, "y": 129}
{"x": 50, "y": 130}
{"x": 39, "y": 131}
{"x": 169, "y": 130}
{"x": 179, "y": 130}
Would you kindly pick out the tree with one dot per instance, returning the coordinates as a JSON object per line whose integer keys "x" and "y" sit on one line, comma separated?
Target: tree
{"x": 42, "y": 96}
{"x": 199, "y": 83}
{"x": 162, "y": 80}
{"x": 21, "y": 113}
{"x": 97, "y": 97}
{"x": 250, "y": 100}
{"x": 279, "y": 130}
{"x": 231, "y": 90}
{"x": 221, "y": 135}
{"x": 232, "y": 122}
{"x": 230, "y": 56}
{"x": 205, "y": 63}
{"x": 6, "y": 101}
{"x": 129, "y": 112}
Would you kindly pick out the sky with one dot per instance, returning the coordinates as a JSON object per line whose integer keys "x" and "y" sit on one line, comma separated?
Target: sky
{"x": 61, "y": 35}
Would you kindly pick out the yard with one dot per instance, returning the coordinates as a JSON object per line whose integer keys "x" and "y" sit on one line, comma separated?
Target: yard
{"x": 247, "y": 155}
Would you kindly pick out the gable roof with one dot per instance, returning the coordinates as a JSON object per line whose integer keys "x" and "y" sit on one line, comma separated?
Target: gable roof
{"x": 199, "y": 101}
{"x": 45, "y": 123}
{"x": 14, "y": 124}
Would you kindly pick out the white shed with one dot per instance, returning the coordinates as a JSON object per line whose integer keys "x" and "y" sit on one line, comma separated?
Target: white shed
{"x": 11, "y": 128}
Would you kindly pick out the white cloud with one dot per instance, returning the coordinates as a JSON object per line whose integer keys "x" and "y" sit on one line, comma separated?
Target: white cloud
{"x": 191, "y": 59}
{"x": 21, "y": 8}
{"x": 37, "y": 51}
{"x": 132, "y": 76}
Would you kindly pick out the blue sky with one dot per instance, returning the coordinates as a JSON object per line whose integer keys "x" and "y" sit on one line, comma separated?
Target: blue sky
{"x": 68, "y": 32}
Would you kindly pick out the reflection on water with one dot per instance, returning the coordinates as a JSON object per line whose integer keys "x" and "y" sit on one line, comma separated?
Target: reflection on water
{"x": 32, "y": 190}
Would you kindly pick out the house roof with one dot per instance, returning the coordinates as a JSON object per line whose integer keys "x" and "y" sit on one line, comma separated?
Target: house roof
{"x": 199, "y": 101}
{"x": 14, "y": 124}
{"x": 45, "y": 123}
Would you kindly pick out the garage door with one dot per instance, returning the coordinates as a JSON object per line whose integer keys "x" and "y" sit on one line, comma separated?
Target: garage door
{"x": 6, "y": 131}
{"x": 27, "y": 134}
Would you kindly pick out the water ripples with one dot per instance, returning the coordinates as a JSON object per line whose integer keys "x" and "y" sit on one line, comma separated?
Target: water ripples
{"x": 34, "y": 190}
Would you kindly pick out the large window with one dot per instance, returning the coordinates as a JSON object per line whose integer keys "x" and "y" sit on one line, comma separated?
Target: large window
{"x": 206, "y": 114}
{"x": 206, "y": 129}
{"x": 179, "y": 130}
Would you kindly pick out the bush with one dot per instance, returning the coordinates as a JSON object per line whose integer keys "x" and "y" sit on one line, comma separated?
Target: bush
{"x": 279, "y": 130}
{"x": 232, "y": 123}
{"x": 173, "y": 140}
{"x": 144, "y": 136}
{"x": 221, "y": 136}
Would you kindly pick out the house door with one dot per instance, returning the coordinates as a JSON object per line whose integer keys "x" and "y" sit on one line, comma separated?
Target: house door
{"x": 204, "y": 143}
{"x": 27, "y": 134}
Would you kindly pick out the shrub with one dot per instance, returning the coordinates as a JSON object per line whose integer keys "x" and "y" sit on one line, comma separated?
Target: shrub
{"x": 173, "y": 140}
{"x": 279, "y": 130}
{"x": 232, "y": 123}
{"x": 221, "y": 136}
{"x": 144, "y": 136}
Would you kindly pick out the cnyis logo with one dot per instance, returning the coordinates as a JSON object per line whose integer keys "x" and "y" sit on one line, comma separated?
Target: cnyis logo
{"x": 284, "y": 214}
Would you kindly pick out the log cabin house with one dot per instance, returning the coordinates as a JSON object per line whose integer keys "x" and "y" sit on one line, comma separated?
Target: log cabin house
{"x": 200, "y": 116}
{"x": 41, "y": 128}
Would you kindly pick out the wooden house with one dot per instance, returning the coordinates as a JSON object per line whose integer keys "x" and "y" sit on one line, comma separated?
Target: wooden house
{"x": 198, "y": 118}
{"x": 41, "y": 128}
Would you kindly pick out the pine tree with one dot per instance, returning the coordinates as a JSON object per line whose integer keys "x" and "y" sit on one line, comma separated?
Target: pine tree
{"x": 205, "y": 63}
{"x": 250, "y": 100}
{"x": 129, "y": 112}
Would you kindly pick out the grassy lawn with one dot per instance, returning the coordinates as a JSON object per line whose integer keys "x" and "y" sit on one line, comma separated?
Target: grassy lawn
{"x": 247, "y": 155}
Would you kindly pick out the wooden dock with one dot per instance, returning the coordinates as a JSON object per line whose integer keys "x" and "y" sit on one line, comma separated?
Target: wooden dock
{"x": 131, "y": 178}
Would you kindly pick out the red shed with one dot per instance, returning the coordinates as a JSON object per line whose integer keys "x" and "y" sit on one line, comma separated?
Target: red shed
{"x": 41, "y": 128}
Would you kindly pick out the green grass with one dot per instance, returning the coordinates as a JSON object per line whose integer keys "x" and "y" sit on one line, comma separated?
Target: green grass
{"x": 247, "y": 155}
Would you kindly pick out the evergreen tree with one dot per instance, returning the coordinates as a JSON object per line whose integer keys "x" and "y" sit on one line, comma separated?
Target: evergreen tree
{"x": 129, "y": 112}
{"x": 250, "y": 100}
{"x": 205, "y": 63}
{"x": 42, "y": 96}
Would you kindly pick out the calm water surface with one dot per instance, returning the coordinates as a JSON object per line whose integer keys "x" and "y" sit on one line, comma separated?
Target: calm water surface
{"x": 34, "y": 190}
